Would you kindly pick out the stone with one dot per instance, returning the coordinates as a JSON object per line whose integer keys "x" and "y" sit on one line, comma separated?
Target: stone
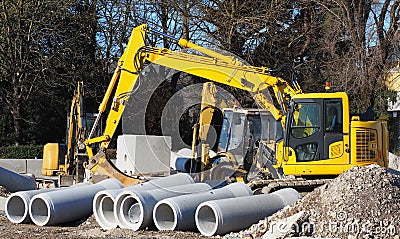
{"x": 143, "y": 154}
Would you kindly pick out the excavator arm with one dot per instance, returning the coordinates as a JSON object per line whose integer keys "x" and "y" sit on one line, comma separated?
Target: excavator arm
{"x": 76, "y": 132}
{"x": 122, "y": 82}
{"x": 121, "y": 85}
{"x": 249, "y": 78}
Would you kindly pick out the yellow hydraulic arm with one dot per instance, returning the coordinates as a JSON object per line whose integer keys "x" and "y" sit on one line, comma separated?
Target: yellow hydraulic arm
{"x": 122, "y": 82}
{"x": 76, "y": 129}
{"x": 226, "y": 70}
{"x": 209, "y": 101}
{"x": 210, "y": 65}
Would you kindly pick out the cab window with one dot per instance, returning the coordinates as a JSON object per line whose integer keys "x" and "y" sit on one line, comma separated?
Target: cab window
{"x": 333, "y": 117}
{"x": 237, "y": 130}
{"x": 305, "y": 120}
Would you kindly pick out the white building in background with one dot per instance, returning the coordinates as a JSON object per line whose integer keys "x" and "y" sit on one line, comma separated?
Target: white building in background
{"x": 393, "y": 83}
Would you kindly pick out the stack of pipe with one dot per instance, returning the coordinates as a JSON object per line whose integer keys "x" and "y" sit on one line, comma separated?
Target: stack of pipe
{"x": 134, "y": 209}
{"x": 178, "y": 213}
{"x": 103, "y": 203}
{"x": 17, "y": 204}
{"x": 67, "y": 205}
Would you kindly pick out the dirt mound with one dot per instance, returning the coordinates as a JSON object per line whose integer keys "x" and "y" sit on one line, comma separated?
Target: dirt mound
{"x": 363, "y": 202}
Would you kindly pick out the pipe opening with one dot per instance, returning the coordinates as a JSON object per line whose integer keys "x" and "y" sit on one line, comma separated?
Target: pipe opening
{"x": 107, "y": 209}
{"x": 135, "y": 213}
{"x": 39, "y": 212}
{"x": 206, "y": 220}
{"x": 164, "y": 217}
{"x": 97, "y": 206}
{"x": 125, "y": 210}
{"x": 16, "y": 209}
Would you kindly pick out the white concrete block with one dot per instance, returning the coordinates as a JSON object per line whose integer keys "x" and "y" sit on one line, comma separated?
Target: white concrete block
{"x": 15, "y": 165}
{"x": 34, "y": 166}
{"x": 143, "y": 154}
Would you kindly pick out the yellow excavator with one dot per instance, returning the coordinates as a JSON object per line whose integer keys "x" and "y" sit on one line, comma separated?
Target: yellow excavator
{"x": 67, "y": 159}
{"x": 320, "y": 138}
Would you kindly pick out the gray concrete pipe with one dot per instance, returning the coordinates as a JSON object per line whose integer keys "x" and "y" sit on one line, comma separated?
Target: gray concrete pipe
{"x": 17, "y": 204}
{"x": 15, "y": 182}
{"x": 103, "y": 203}
{"x": 219, "y": 217}
{"x": 103, "y": 208}
{"x": 177, "y": 213}
{"x": 67, "y": 205}
{"x": 136, "y": 210}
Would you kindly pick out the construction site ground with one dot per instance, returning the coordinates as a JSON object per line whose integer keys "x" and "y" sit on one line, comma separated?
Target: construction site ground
{"x": 87, "y": 228}
{"x": 363, "y": 202}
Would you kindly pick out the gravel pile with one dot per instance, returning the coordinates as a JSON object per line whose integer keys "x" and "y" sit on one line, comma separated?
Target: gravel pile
{"x": 363, "y": 202}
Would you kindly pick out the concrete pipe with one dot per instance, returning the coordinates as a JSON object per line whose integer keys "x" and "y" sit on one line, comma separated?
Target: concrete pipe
{"x": 219, "y": 217}
{"x": 67, "y": 205}
{"x": 15, "y": 182}
{"x": 187, "y": 165}
{"x": 17, "y": 204}
{"x": 103, "y": 208}
{"x": 177, "y": 213}
{"x": 169, "y": 181}
{"x": 136, "y": 210}
{"x": 103, "y": 203}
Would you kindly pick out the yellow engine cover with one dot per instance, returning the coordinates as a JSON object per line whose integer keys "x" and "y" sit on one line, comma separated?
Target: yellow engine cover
{"x": 50, "y": 159}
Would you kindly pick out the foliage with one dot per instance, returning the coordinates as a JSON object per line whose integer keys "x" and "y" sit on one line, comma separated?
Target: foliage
{"x": 21, "y": 152}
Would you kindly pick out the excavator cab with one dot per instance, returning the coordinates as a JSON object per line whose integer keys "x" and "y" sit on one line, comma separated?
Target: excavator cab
{"x": 243, "y": 130}
{"x": 314, "y": 125}
{"x": 321, "y": 138}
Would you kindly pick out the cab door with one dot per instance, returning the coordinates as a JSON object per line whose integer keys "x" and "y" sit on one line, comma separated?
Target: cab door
{"x": 305, "y": 131}
{"x": 333, "y": 137}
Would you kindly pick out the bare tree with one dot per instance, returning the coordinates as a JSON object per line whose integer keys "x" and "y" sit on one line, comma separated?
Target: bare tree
{"x": 357, "y": 44}
{"x": 347, "y": 42}
{"x": 19, "y": 73}
{"x": 44, "y": 48}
